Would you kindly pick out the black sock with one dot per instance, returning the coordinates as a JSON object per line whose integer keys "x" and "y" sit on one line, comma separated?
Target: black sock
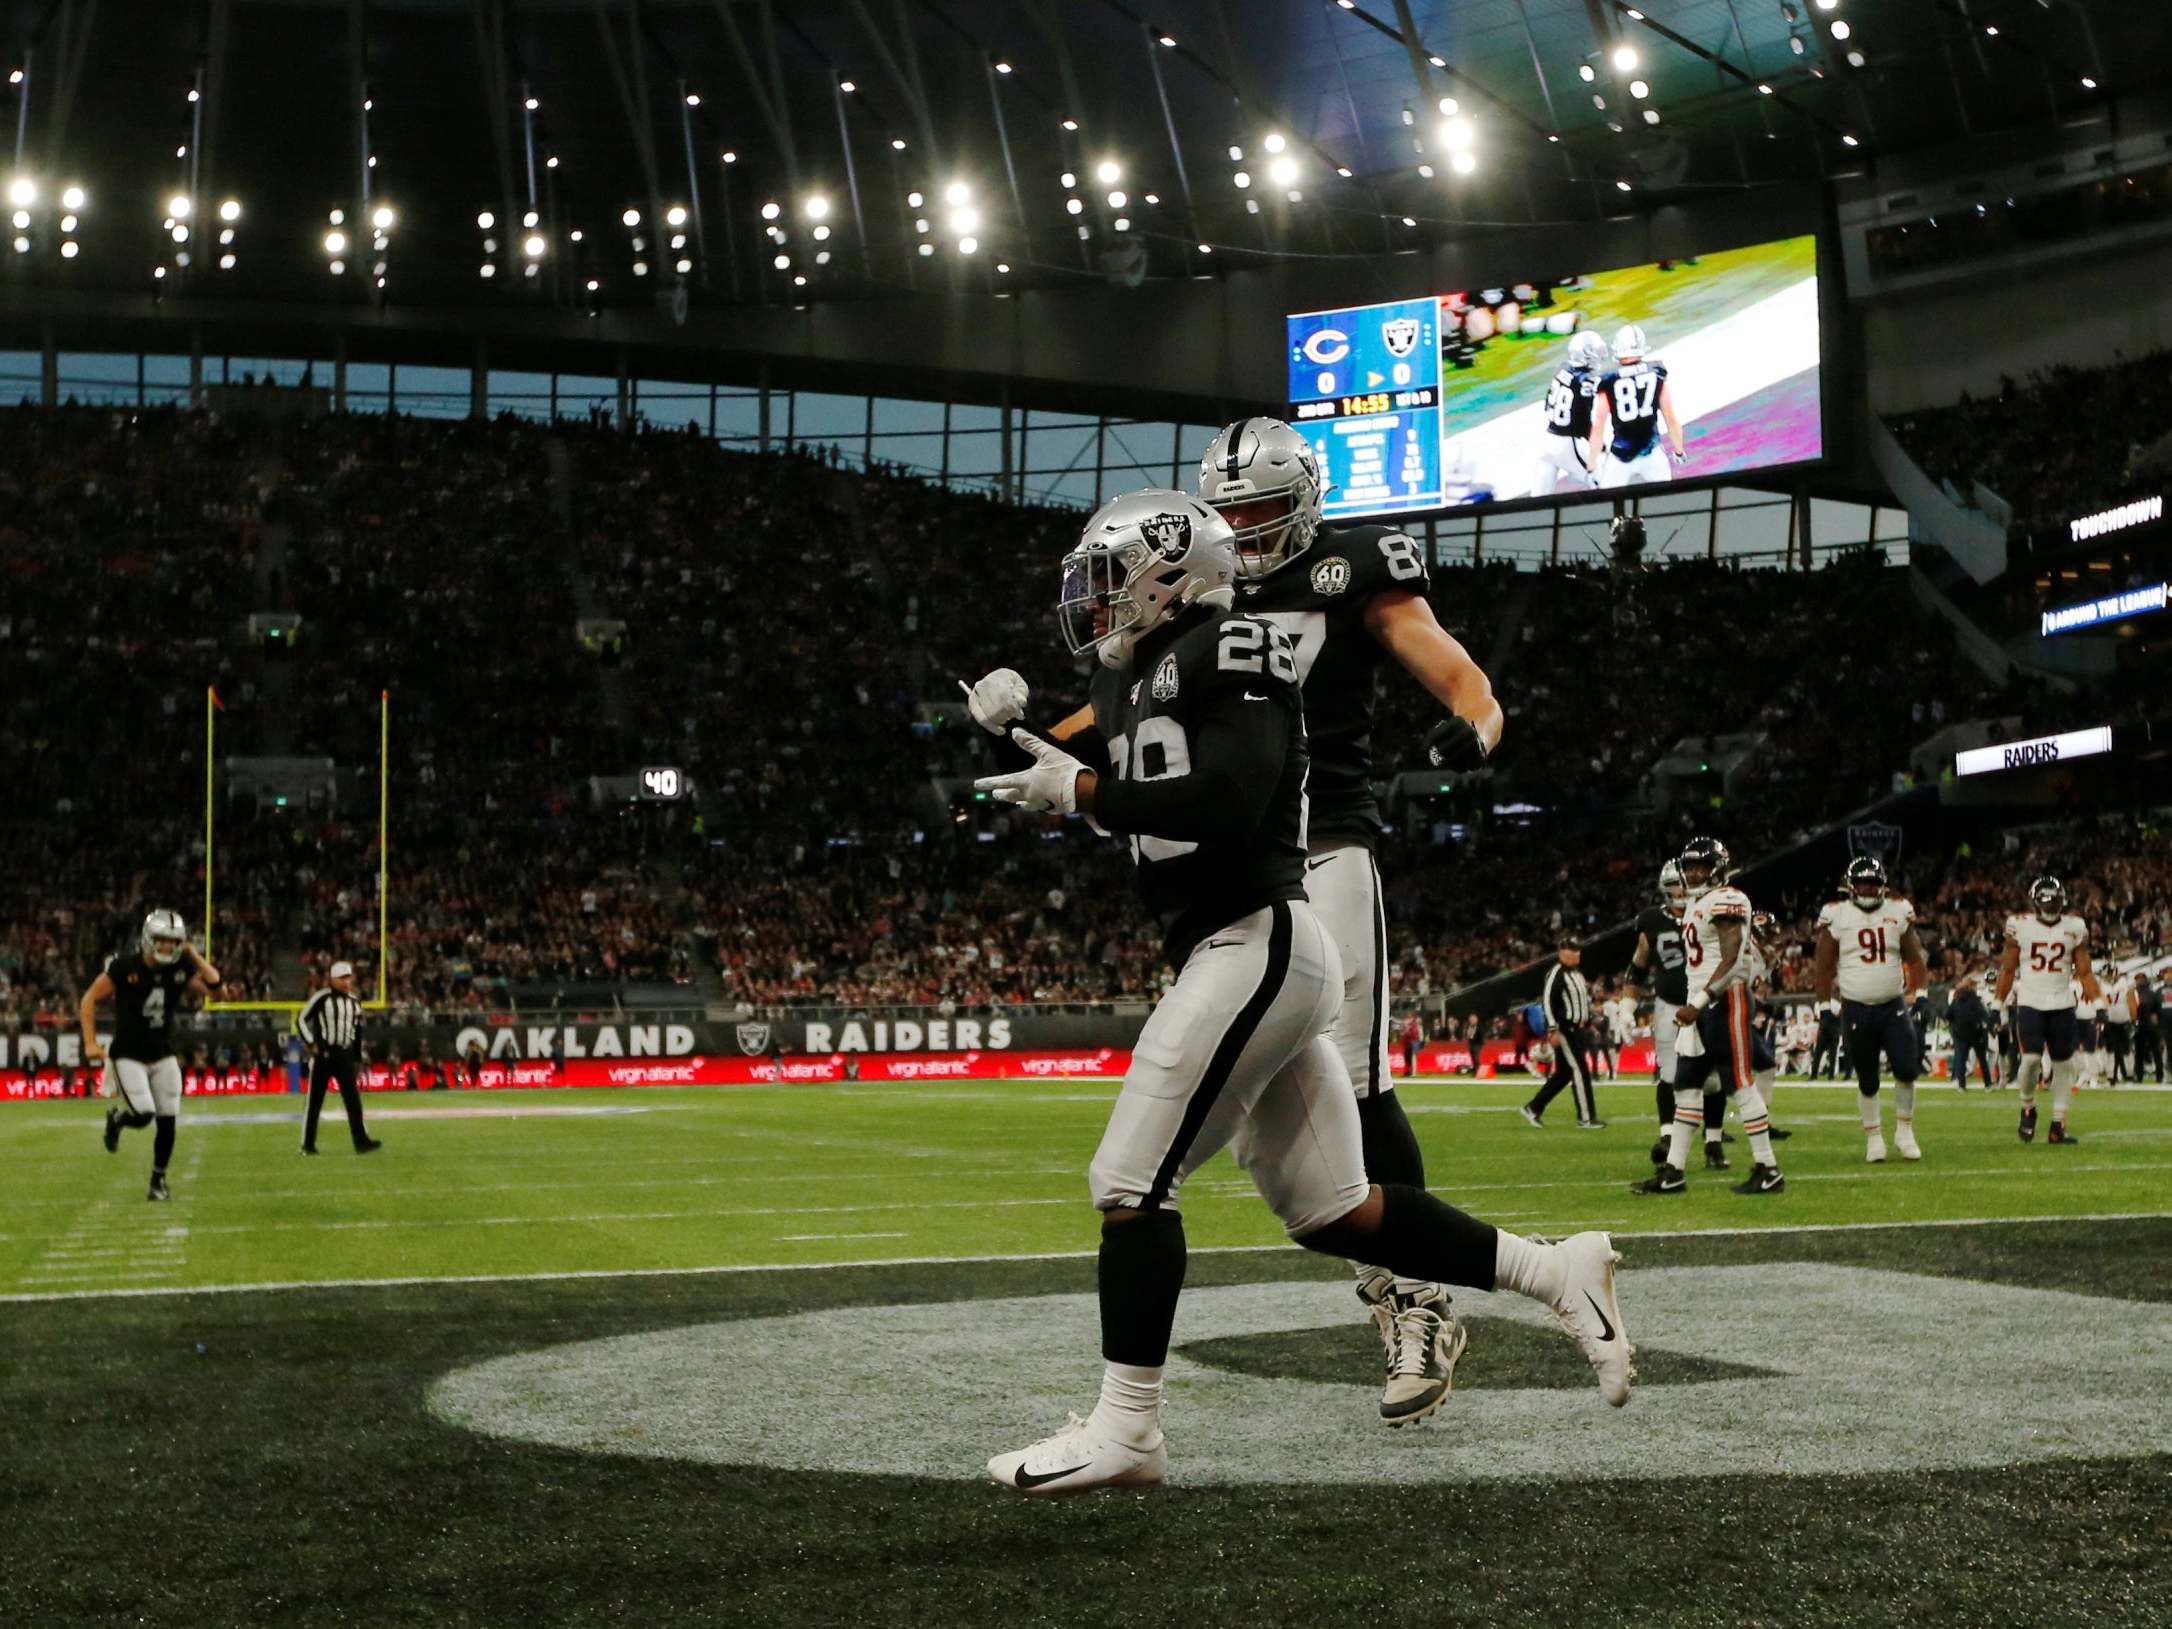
{"x": 1419, "y": 1237}
{"x": 1663, "y": 1097}
{"x": 1141, "y": 1275}
{"x": 1715, "y": 1115}
{"x": 162, "y": 1148}
{"x": 1391, "y": 1147}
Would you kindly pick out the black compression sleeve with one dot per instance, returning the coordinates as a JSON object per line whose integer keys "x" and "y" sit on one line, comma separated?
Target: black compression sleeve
{"x": 1237, "y": 756}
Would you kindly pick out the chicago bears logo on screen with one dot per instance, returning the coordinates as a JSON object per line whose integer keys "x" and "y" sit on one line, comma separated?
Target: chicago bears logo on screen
{"x": 1165, "y": 678}
{"x": 1170, "y": 533}
{"x": 1400, "y": 335}
{"x": 1331, "y": 576}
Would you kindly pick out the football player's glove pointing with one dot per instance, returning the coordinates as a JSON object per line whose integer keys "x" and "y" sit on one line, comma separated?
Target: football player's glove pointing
{"x": 997, "y": 701}
{"x": 1052, "y": 782}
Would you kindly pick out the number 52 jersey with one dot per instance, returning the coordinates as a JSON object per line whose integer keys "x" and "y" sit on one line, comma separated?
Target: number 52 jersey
{"x": 1319, "y": 600}
{"x": 2046, "y": 970}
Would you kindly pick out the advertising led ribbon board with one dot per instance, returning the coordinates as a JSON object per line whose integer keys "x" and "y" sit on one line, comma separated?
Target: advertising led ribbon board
{"x": 2132, "y": 602}
{"x": 1457, "y": 398}
{"x": 2037, "y": 753}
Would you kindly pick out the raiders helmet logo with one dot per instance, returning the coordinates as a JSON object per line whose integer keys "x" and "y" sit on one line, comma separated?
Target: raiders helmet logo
{"x": 1171, "y": 534}
{"x": 1165, "y": 678}
{"x": 1331, "y": 576}
{"x": 1400, "y": 335}
{"x": 753, "y": 1039}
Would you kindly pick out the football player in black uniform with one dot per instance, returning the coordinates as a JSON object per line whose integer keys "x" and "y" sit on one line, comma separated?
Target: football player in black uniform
{"x": 1195, "y": 755}
{"x": 145, "y": 987}
{"x": 1634, "y": 396}
{"x": 1565, "y": 449}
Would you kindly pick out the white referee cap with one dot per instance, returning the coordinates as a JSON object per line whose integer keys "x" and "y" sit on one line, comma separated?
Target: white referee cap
{"x": 342, "y": 970}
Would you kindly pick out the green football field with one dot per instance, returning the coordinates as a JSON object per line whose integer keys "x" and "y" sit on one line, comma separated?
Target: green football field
{"x": 735, "y": 1356}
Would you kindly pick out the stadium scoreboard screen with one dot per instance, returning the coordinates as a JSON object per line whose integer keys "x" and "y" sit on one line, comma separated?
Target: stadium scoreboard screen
{"x": 1459, "y": 398}
{"x": 1365, "y": 389}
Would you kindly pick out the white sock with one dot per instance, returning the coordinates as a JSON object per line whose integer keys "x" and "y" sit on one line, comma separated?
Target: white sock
{"x": 1904, "y": 1108}
{"x": 1868, "y": 1108}
{"x": 1680, "y": 1133}
{"x": 1527, "y": 1267}
{"x": 1756, "y": 1125}
{"x": 2031, "y": 1067}
{"x": 1130, "y": 1406}
{"x": 2062, "y": 1090}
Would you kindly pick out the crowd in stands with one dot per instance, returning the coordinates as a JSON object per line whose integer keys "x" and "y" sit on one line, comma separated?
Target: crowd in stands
{"x": 794, "y": 635}
{"x": 2066, "y": 441}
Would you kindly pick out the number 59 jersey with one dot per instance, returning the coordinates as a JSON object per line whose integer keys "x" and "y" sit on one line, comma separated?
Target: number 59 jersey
{"x": 2044, "y": 979}
{"x": 1223, "y": 695}
{"x": 1870, "y": 947}
{"x": 1319, "y": 598}
{"x": 1701, "y": 939}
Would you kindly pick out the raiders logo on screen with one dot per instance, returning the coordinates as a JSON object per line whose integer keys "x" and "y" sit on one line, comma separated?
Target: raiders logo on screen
{"x": 1400, "y": 335}
{"x": 1170, "y": 533}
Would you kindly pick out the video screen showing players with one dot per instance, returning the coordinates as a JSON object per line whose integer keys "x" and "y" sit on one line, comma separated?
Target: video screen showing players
{"x": 1687, "y": 369}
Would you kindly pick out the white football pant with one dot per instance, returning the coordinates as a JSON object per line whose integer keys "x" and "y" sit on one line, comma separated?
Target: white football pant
{"x": 1648, "y": 466}
{"x": 1344, "y": 888}
{"x": 1561, "y": 458}
{"x": 147, "y": 1088}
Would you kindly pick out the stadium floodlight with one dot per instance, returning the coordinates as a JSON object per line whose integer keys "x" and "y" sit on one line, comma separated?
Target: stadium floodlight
{"x": 1856, "y": 59}
{"x": 1274, "y": 141}
{"x": 334, "y": 242}
{"x": 1625, "y": 57}
{"x": 382, "y": 217}
{"x": 1463, "y": 163}
{"x": 1236, "y": 155}
{"x": 632, "y": 217}
{"x": 1117, "y": 200}
{"x": 72, "y": 198}
{"x": 486, "y": 220}
{"x": 816, "y": 208}
{"x": 534, "y": 246}
{"x": 337, "y": 268}
{"x": 1003, "y": 67}
{"x": 22, "y": 192}
{"x": 180, "y": 233}
{"x": 575, "y": 234}
{"x": 1587, "y": 73}
{"x": 1450, "y": 107}
{"x": 1438, "y": 62}
{"x": 1282, "y": 171}
{"x": 1070, "y": 124}
{"x": 693, "y": 99}
{"x": 68, "y": 223}
{"x": 593, "y": 285}
{"x": 1651, "y": 115}
{"x": 20, "y": 220}
{"x": 226, "y": 261}
{"x": 2088, "y": 83}
{"x": 1828, "y": 5}
{"x": 1167, "y": 39}
{"x": 531, "y": 104}
{"x": 22, "y": 246}
{"x": 781, "y": 262}
{"x": 1344, "y": 171}
{"x": 915, "y": 198}
{"x": 1122, "y": 223}
{"x": 1409, "y": 221}
{"x": 69, "y": 250}
{"x": 771, "y": 210}
{"x": 1206, "y": 248}
{"x": 1242, "y": 179}
{"x": 1841, "y": 30}
{"x": 529, "y": 220}
{"x": 1764, "y": 90}
{"x": 968, "y": 246}
{"x": 1639, "y": 89}
{"x": 1623, "y": 186}
{"x": 675, "y": 215}
{"x": 1074, "y": 206}
{"x": 1003, "y": 265}
{"x": 230, "y": 210}
{"x": 177, "y": 206}
{"x": 1458, "y": 135}
{"x": 338, "y": 217}
{"x": 897, "y": 144}
{"x": 488, "y": 270}
{"x": 1849, "y": 141}
{"x": 730, "y": 157}
{"x": 927, "y": 249}
{"x": 641, "y": 268}
{"x": 684, "y": 266}
{"x": 957, "y": 193}
{"x": 1425, "y": 172}
{"x": 847, "y": 86}
{"x": 551, "y": 163}
{"x": 964, "y": 222}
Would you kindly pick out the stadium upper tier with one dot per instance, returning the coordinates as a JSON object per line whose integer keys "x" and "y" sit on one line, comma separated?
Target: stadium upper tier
{"x": 793, "y": 637}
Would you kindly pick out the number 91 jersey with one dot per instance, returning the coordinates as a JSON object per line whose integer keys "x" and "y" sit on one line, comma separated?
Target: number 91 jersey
{"x": 1225, "y": 687}
{"x": 1869, "y": 969}
{"x": 1319, "y": 598}
{"x": 2044, "y": 976}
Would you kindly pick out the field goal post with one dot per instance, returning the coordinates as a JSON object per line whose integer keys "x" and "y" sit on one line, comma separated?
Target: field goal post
{"x": 377, "y": 1003}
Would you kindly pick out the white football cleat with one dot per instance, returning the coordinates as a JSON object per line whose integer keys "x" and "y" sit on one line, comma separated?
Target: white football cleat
{"x": 1874, "y": 1149}
{"x": 1079, "y": 1457}
{"x": 1904, "y": 1140}
{"x": 1587, "y": 1309}
{"x": 1425, "y": 1342}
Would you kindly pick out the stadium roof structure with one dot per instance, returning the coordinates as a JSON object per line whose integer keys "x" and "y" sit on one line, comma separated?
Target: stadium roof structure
{"x": 825, "y": 149}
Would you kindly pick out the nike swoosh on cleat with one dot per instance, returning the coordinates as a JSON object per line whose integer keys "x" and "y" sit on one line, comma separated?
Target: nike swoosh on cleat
{"x": 1606, "y": 1330}
{"x": 1026, "y": 1479}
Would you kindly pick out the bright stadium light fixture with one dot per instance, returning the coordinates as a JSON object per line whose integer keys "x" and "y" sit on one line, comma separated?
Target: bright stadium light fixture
{"x": 915, "y": 198}
{"x": 180, "y": 233}
{"x": 488, "y": 270}
{"x": 1463, "y": 163}
{"x": 529, "y": 220}
{"x": 531, "y": 104}
{"x": 72, "y": 198}
{"x": 731, "y": 157}
{"x": 1856, "y": 59}
{"x": 177, "y": 206}
{"x": 1625, "y": 57}
{"x": 68, "y": 249}
{"x": 1002, "y": 67}
{"x": 1236, "y": 155}
{"x": 334, "y": 242}
{"x": 1764, "y": 90}
{"x": 2088, "y": 83}
{"x": 968, "y": 246}
{"x": 1242, "y": 179}
{"x": 771, "y": 210}
{"x": 1623, "y": 185}
{"x": 1639, "y": 89}
{"x": 1828, "y": 5}
{"x": 964, "y": 222}
{"x": 897, "y": 144}
{"x": 781, "y": 262}
{"x": 1344, "y": 171}
{"x": 534, "y": 246}
{"x": 1425, "y": 172}
{"x": 230, "y": 210}
{"x": 675, "y": 215}
{"x": 382, "y": 218}
{"x": 1167, "y": 39}
{"x": 593, "y": 285}
{"x": 338, "y": 268}
{"x": 1117, "y": 200}
{"x": 68, "y": 223}
{"x": 1408, "y": 221}
{"x": 1841, "y": 30}
{"x": 817, "y": 208}
{"x": 927, "y": 249}
{"x": 1458, "y": 134}
{"x": 1849, "y": 141}
{"x": 226, "y": 262}
{"x": 1587, "y": 73}
{"x": 683, "y": 267}
{"x": 847, "y": 86}
{"x": 958, "y": 192}
{"x": 693, "y": 99}
{"x": 575, "y": 234}
{"x": 1070, "y": 124}
{"x": 1273, "y": 141}
{"x": 486, "y": 220}
{"x": 22, "y": 246}
{"x": 632, "y": 217}
{"x": 1074, "y": 206}
{"x": 1450, "y": 107}
{"x": 551, "y": 163}
{"x": 641, "y": 268}
{"x": 20, "y": 220}
{"x": 1282, "y": 171}
{"x": 1651, "y": 115}
{"x": 1206, "y": 248}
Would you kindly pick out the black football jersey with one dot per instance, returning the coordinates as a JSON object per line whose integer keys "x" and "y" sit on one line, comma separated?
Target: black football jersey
{"x": 146, "y": 996}
{"x": 1568, "y": 402}
{"x": 1632, "y": 404}
{"x": 1319, "y": 600}
{"x": 1226, "y": 673}
{"x": 1669, "y": 970}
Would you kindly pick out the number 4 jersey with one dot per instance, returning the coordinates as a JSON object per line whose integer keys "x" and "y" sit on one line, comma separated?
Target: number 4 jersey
{"x": 146, "y": 995}
{"x": 1217, "y": 704}
{"x": 1870, "y": 947}
{"x": 2044, "y": 978}
{"x": 1319, "y": 598}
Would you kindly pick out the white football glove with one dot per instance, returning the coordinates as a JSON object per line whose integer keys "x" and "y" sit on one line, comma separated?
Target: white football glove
{"x": 1052, "y": 782}
{"x": 998, "y": 701}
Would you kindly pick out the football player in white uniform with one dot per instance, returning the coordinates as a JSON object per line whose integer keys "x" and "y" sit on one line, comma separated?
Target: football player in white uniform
{"x": 1634, "y": 397}
{"x": 2046, "y": 957}
{"x": 1867, "y": 947}
{"x": 1195, "y": 752}
{"x": 1722, "y": 963}
{"x": 2088, "y": 1037}
{"x": 1351, "y": 598}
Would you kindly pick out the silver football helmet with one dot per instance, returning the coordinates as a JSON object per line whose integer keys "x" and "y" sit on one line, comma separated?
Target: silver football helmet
{"x": 1262, "y": 477}
{"x": 162, "y": 937}
{"x": 1143, "y": 558}
{"x": 1587, "y": 350}
{"x": 1630, "y": 344}
{"x": 1671, "y": 891}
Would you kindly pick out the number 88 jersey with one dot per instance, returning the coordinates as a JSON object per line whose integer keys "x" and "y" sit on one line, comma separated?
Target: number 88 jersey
{"x": 2044, "y": 977}
{"x": 1870, "y": 947}
{"x": 1319, "y": 598}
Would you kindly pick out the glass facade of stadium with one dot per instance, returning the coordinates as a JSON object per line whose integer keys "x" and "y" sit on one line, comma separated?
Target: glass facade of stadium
{"x": 1068, "y": 459}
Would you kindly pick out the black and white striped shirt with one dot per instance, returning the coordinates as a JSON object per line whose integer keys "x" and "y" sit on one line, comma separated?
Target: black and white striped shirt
{"x": 332, "y": 1021}
{"x": 1567, "y": 998}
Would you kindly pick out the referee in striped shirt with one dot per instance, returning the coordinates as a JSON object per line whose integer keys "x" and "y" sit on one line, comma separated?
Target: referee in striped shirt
{"x": 332, "y": 1025}
{"x": 1567, "y": 1000}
